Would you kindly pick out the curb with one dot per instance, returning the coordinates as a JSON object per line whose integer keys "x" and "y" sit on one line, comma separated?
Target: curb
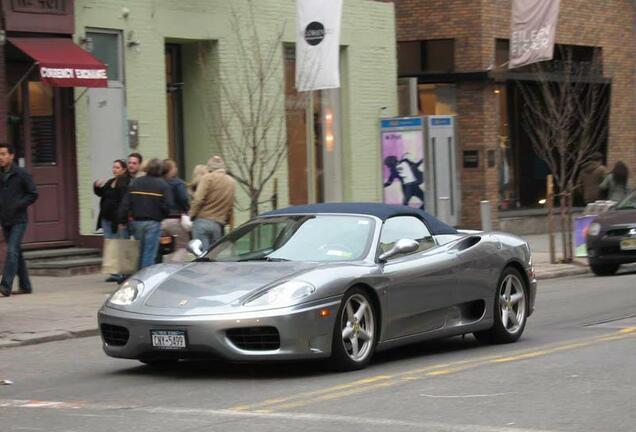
{"x": 48, "y": 337}
{"x": 563, "y": 273}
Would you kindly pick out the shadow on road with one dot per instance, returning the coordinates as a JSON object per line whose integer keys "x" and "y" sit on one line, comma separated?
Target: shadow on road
{"x": 218, "y": 369}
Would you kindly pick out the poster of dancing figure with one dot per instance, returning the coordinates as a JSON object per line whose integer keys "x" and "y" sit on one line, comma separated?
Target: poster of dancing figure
{"x": 403, "y": 167}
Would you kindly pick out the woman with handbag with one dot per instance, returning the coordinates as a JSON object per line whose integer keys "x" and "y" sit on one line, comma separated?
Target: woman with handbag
{"x": 174, "y": 236}
{"x": 111, "y": 193}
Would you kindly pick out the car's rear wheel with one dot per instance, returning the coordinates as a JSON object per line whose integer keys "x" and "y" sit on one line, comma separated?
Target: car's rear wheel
{"x": 511, "y": 310}
{"x": 604, "y": 269}
{"x": 355, "y": 333}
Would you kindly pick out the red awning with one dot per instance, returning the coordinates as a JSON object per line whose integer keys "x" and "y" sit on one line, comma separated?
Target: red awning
{"x": 62, "y": 63}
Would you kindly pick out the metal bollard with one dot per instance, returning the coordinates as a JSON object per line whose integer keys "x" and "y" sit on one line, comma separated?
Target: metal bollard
{"x": 486, "y": 217}
{"x": 443, "y": 209}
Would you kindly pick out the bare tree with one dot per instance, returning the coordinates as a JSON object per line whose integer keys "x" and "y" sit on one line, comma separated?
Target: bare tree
{"x": 565, "y": 117}
{"x": 248, "y": 118}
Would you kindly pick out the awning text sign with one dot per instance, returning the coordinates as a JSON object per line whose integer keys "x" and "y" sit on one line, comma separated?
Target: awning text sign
{"x": 62, "y": 63}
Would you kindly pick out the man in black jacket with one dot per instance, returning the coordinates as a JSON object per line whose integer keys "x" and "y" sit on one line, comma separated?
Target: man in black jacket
{"x": 148, "y": 202}
{"x": 17, "y": 192}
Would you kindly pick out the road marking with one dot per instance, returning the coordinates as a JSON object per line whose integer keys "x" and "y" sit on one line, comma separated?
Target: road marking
{"x": 387, "y": 423}
{"x": 465, "y": 396}
{"x": 383, "y": 381}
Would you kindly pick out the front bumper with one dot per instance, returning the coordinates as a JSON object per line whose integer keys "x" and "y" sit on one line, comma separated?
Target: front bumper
{"x": 304, "y": 333}
{"x": 607, "y": 250}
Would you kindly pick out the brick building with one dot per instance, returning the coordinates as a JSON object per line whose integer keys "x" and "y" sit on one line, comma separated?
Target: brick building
{"x": 457, "y": 51}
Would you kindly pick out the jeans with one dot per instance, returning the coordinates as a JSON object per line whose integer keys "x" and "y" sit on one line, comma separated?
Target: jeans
{"x": 107, "y": 227}
{"x": 15, "y": 261}
{"x": 148, "y": 233}
{"x": 206, "y": 230}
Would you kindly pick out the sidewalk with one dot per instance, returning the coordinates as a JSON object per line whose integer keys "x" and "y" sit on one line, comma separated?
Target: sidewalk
{"x": 66, "y": 307}
{"x": 540, "y": 246}
{"x": 60, "y": 308}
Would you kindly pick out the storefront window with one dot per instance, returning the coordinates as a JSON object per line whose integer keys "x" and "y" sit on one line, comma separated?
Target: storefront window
{"x": 42, "y": 123}
{"x": 437, "y": 99}
{"x": 427, "y": 56}
{"x": 106, "y": 47}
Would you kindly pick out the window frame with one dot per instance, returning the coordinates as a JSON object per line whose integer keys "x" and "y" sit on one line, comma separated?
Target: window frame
{"x": 379, "y": 250}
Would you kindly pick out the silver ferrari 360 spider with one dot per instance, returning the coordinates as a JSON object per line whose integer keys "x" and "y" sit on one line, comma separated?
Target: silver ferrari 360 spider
{"x": 337, "y": 281}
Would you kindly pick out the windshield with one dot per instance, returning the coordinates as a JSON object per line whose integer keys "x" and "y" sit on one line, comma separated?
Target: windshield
{"x": 628, "y": 203}
{"x": 297, "y": 238}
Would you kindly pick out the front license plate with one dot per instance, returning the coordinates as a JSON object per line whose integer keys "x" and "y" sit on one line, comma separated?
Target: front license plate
{"x": 168, "y": 339}
{"x": 628, "y": 244}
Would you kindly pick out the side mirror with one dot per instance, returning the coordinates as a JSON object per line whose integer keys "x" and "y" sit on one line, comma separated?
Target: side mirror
{"x": 195, "y": 247}
{"x": 402, "y": 246}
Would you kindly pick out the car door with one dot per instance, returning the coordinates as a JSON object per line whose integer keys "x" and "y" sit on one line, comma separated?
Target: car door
{"x": 420, "y": 285}
{"x": 478, "y": 268}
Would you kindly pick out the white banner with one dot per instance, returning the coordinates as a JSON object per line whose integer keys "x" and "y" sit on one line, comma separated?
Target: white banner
{"x": 533, "y": 26}
{"x": 318, "y": 44}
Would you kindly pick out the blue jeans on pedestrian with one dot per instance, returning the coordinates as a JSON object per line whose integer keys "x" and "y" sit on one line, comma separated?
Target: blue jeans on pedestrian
{"x": 15, "y": 261}
{"x": 148, "y": 233}
{"x": 107, "y": 228}
{"x": 206, "y": 230}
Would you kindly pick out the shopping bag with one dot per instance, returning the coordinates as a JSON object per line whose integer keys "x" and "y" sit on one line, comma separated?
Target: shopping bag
{"x": 121, "y": 256}
{"x": 186, "y": 222}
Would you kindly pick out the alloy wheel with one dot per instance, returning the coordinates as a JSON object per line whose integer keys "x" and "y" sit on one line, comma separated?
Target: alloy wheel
{"x": 358, "y": 327}
{"x": 512, "y": 303}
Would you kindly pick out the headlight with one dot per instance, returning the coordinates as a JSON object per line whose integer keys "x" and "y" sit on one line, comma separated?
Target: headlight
{"x": 285, "y": 294}
{"x": 127, "y": 293}
{"x": 594, "y": 229}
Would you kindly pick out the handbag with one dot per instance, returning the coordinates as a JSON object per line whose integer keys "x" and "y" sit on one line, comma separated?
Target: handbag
{"x": 121, "y": 256}
{"x": 166, "y": 244}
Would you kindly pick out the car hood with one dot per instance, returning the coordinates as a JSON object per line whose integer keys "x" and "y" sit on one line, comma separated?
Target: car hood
{"x": 617, "y": 217}
{"x": 217, "y": 287}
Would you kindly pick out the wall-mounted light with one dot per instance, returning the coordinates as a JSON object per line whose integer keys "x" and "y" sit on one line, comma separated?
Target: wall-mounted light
{"x": 131, "y": 42}
{"x": 86, "y": 43}
{"x": 125, "y": 12}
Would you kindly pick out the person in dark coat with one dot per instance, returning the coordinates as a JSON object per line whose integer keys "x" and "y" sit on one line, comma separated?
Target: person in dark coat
{"x": 147, "y": 202}
{"x": 112, "y": 193}
{"x": 17, "y": 193}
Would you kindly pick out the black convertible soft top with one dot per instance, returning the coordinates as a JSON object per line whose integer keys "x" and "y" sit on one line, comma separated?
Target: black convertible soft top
{"x": 381, "y": 211}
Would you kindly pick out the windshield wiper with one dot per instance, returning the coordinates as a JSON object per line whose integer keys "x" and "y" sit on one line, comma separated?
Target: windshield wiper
{"x": 270, "y": 259}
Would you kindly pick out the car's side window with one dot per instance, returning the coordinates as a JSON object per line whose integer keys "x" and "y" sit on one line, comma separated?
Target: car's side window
{"x": 401, "y": 227}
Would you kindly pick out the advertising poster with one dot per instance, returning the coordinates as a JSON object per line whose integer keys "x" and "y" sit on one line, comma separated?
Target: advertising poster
{"x": 403, "y": 167}
{"x": 581, "y": 225}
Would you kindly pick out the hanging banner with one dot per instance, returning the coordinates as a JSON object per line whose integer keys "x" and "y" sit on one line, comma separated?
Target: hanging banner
{"x": 533, "y": 27}
{"x": 318, "y": 44}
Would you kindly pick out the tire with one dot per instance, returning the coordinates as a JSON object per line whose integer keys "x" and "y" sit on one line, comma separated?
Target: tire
{"x": 363, "y": 329}
{"x": 604, "y": 269}
{"x": 510, "y": 315}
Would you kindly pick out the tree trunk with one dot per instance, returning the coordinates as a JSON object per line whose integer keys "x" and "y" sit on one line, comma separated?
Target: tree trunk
{"x": 570, "y": 229}
{"x": 562, "y": 205}
{"x": 253, "y": 203}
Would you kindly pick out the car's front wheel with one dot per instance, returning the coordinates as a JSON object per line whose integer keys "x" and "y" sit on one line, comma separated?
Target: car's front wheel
{"x": 355, "y": 333}
{"x": 510, "y": 311}
{"x": 604, "y": 269}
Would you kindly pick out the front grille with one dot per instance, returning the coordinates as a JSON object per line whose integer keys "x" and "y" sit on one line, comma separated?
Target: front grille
{"x": 115, "y": 335}
{"x": 618, "y": 232}
{"x": 255, "y": 338}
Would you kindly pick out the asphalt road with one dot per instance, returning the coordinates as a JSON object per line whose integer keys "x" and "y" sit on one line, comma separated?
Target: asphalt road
{"x": 573, "y": 370}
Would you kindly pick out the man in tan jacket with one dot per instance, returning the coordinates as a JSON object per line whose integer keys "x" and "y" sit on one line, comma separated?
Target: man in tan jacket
{"x": 213, "y": 203}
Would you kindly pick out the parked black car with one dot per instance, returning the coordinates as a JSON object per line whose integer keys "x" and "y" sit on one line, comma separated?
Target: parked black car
{"x": 611, "y": 238}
